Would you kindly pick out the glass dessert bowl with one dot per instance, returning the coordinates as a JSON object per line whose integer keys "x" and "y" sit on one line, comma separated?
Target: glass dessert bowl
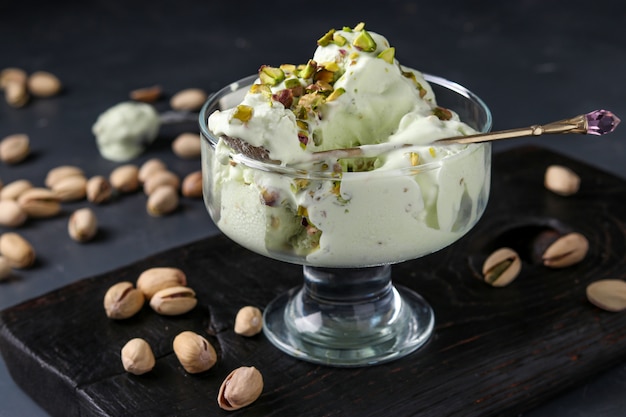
{"x": 347, "y": 229}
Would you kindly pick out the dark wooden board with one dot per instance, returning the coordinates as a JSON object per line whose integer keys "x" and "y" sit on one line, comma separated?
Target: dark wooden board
{"x": 496, "y": 352}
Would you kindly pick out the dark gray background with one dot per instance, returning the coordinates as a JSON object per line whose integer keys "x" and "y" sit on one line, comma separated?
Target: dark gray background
{"x": 532, "y": 61}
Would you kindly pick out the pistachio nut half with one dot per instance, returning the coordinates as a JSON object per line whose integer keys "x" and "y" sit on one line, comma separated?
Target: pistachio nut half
{"x": 501, "y": 267}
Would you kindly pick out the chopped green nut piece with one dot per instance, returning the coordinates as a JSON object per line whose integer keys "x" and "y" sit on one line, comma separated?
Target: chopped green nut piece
{"x": 292, "y": 83}
{"x": 335, "y": 94}
{"x": 442, "y": 113}
{"x": 347, "y": 29}
{"x": 308, "y": 70}
{"x": 339, "y": 40}
{"x": 359, "y": 27}
{"x": 364, "y": 42}
{"x": 288, "y": 68}
{"x": 415, "y": 158}
{"x": 388, "y": 55}
{"x": 326, "y": 39}
{"x": 243, "y": 113}
{"x": 271, "y": 75}
{"x": 330, "y": 66}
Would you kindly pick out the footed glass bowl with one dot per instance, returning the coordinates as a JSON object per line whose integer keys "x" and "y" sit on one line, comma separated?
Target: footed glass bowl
{"x": 347, "y": 231}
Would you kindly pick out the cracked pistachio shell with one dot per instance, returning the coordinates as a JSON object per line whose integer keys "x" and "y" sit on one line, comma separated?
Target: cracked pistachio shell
{"x": 174, "y": 301}
{"x": 153, "y": 280}
{"x": 60, "y": 173}
{"x": 83, "y": 225}
{"x": 240, "y": 388}
{"x": 17, "y": 251}
{"x": 249, "y": 321}
{"x": 125, "y": 178}
{"x": 122, "y": 301}
{"x": 98, "y": 189}
{"x": 194, "y": 352}
{"x": 13, "y": 190}
{"x": 11, "y": 214}
{"x": 163, "y": 200}
{"x": 502, "y": 267}
{"x": 568, "y": 250}
{"x": 14, "y": 148}
{"x": 150, "y": 167}
{"x": 137, "y": 356}
{"x": 608, "y": 294}
{"x": 39, "y": 202}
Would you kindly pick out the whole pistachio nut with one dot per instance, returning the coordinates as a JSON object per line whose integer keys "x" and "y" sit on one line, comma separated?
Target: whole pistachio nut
{"x": 60, "y": 173}
{"x": 150, "y": 167}
{"x": 11, "y": 75}
{"x": 163, "y": 200}
{"x": 153, "y": 280}
{"x": 608, "y": 294}
{"x": 502, "y": 267}
{"x": 194, "y": 352}
{"x": 158, "y": 178}
{"x": 83, "y": 225}
{"x": 17, "y": 250}
{"x": 125, "y": 178}
{"x": 566, "y": 251}
{"x": 190, "y": 99}
{"x": 187, "y": 146}
{"x": 137, "y": 357}
{"x": 249, "y": 321}
{"x": 173, "y": 301}
{"x": 242, "y": 387}
{"x": 561, "y": 180}
{"x": 122, "y": 300}
{"x": 14, "y": 148}
{"x": 16, "y": 94}
{"x": 13, "y": 190}
{"x": 147, "y": 94}
{"x": 5, "y": 268}
{"x": 44, "y": 84}
{"x": 11, "y": 214}
{"x": 192, "y": 185}
{"x": 39, "y": 202}
{"x": 71, "y": 188}
{"x": 98, "y": 189}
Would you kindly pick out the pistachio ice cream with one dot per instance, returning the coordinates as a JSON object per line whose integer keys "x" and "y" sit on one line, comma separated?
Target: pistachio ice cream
{"x": 296, "y": 196}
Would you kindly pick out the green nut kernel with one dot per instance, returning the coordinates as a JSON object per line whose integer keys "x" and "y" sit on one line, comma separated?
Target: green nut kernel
{"x": 271, "y": 75}
{"x": 364, "y": 42}
{"x": 388, "y": 55}
{"x": 243, "y": 113}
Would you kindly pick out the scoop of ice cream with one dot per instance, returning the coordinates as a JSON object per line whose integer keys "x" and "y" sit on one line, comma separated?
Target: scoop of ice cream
{"x": 125, "y": 130}
{"x": 352, "y": 92}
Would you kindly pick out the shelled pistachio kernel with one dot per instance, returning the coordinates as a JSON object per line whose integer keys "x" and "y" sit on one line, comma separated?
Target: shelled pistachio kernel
{"x": 194, "y": 352}
{"x": 388, "y": 55}
{"x": 83, "y": 225}
{"x": 271, "y": 75}
{"x": 14, "y": 148}
{"x": 242, "y": 387}
{"x": 243, "y": 113}
{"x": 249, "y": 321}
{"x": 608, "y": 294}
{"x": 566, "y": 251}
{"x": 17, "y": 250}
{"x": 501, "y": 267}
{"x": 122, "y": 300}
{"x": 137, "y": 357}
{"x": 153, "y": 280}
{"x": 561, "y": 180}
{"x": 174, "y": 301}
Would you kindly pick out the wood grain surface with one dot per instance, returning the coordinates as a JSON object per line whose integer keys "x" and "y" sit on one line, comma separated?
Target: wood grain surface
{"x": 495, "y": 352}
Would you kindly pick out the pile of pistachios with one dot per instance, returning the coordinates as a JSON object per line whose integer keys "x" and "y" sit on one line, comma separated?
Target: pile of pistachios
{"x": 166, "y": 291}
{"x": 504, "y": 265}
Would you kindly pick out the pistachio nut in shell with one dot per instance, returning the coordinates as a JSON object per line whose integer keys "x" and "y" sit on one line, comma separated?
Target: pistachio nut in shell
{"x": 194, "y": 352}
{"x": 146, "y": 94}
{"x": 561, "y": 180}
{"x": 501, "y": 267}
{"x": 44, "y": 84}
{"x": 14, "y": 148}
{"x": 137, "y": 356}
{"x": 71, "y": 188}
{"x": 190, "y": 99}
{"x": 125, "y": 178}
{"x": 122, "y": 300}
{"x": 16, "y": 94}
{"x": 153, "y": 280}
{"x": 163, "y": 200}
{"x": 39, "y": 202}
{"x": 187, "y": 145}
{"x": 158, "y": 178}
{"x": 249, "y": 321}
{"x": 608, "y": 294}
{"x": 173, "y": 301}
{"x": 17, "y": 250}
{"x": 566, "y": 251}
{"x": 61, "y": 172}
{"x": 12, "y": 75}
{"x": 11, "y": 214}
{"x": 150, "y": 167}
{"x": 82, "y": 225}
{"x": 192, "y": 185}
{"x": 98, "y": 189}
{"x": 14, "y": 189}
{"x": 242, "y": 387}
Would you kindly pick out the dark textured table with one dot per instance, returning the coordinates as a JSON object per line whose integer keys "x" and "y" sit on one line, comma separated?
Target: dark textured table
{"x": 530, "y": 61}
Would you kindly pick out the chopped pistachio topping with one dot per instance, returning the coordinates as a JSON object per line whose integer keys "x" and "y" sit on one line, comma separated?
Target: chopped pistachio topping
{"x": 335, "y": 94}
{"x": 415, "y": 158}
{"x": 347, "y": 29}
{"x": 388, "y": 55}
{"x": 271, "y": 75}
{"x": 442, "y": 113}
{"x": 432, "y": 151}
{"x": 292, "y": 83}
{"x": 243, "y": 113}
{"x": 308, "y": 70}
{"x": 326, "y": 39}
{"x": 330, "y": 66}
{"x": 364, "y": 42}
{"x": 359, "y": 27}
{"x": 290, "y": 68}
{"x": 339, "y": 40}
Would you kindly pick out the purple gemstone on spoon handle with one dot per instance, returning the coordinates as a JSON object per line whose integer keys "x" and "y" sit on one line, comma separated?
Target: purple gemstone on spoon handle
{"x": 601, "y": 122}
